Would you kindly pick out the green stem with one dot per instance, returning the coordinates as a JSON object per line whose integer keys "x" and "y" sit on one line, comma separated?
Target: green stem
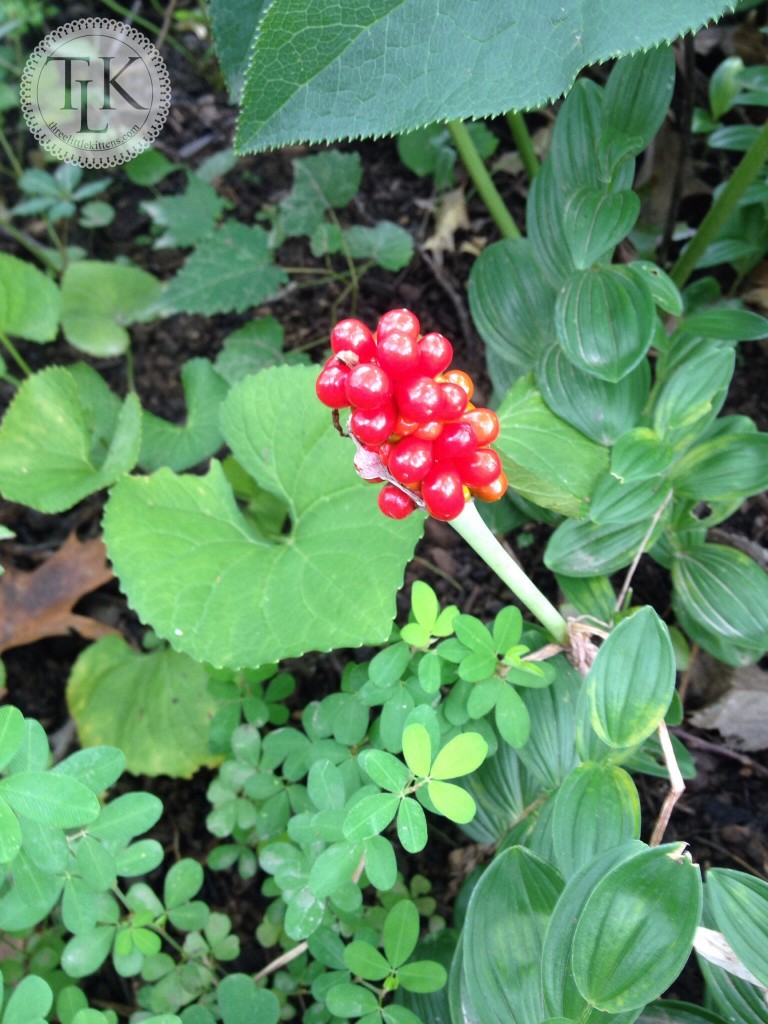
{"x": 18, "y": 170}
{"x": 469, "y": 525}
{"x": 482, "y": 180}
{"x": 722, "y": 208}
{"x": 524, "y": 143}
{"x": 14, "y": 353}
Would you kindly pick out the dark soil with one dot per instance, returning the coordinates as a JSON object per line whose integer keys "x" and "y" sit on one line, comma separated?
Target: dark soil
{"x": 724, "y": 812}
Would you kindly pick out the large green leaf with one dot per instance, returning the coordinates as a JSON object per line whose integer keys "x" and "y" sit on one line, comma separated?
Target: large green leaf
{"x": 632, "y": 680}
{"x": 50, "y": 799}
{"x": 734, "y": 998}
{"x": 636, "y": 930}
{"x": 155, "y": 707}
{"x": 320, "y": 72}
{"x": 740, "y": 905}
{"x": 545, "y": 458}
{"x": 99, "y": 300}
{"x": 503, "y": 935}
{"x": 29, "y": 301}
{"x": 52, "y": 451}
{"x": 598, "y": 408}
{"x": 595, "y": 221}
{"x": 721, "y": 596}
{"x": 242, "y": 597}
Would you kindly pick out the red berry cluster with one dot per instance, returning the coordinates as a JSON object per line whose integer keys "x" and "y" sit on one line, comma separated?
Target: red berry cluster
{"x": 415, "y": 414}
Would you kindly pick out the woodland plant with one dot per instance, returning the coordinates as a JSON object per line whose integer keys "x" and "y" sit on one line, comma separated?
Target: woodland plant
{"x": 608, "y": 380}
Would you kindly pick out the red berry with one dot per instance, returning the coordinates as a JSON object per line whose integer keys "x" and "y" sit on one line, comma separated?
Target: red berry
{"x": 398, "y": 354}
{"x": 435, "y": 354}
{"x": 368, "y": 386}
{"x": 400, "y": 320}
{"x": 454, "y": 401}
{"x": 462, "y": 379}
{"x": 410, "y": 460}
{"x": 353, "y": 336}
{"x": 429, "y": 431}
{"x": 485, "y": 424}
{"x": 443, "y": 493}
{"x": 456, "y": 441}
{"x": 394, "y": 503}
{"x": 419, "y": 398}
{"x": 330, "y": 385}
{"x": 480, "y": 468}
{"x": 403, "y": 427}
{"x": 492, "y": 491}
{"x": 372, "y": 426}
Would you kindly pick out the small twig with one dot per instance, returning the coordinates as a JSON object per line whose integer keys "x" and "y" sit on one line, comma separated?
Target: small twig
{"x": 456, "y": 300}
{"x": 292, "y": 954}
{"x": 165, "y": 25}
{"x": 716, "y": 748}
{"x": 640, "y": 552}
{"x": 676, "y": 786}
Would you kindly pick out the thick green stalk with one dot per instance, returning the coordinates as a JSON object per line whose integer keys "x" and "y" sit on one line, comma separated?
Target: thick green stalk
{"x": 469, "y": 525}
{"x": 482, "y": 180}
{"x": 722, "y": 208}
{"x": 524, "y": 143}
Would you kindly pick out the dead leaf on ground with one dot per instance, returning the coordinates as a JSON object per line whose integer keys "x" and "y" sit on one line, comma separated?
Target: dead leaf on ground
{"x": 39, "y": 603}
{"x": 452, "y": 216}
{"x": 740, "y": 715}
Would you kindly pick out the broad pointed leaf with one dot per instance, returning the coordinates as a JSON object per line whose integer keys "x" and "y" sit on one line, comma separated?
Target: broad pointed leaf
{"x": 29, "y": 301}
{"x": 98, "y": 302}
{"x": 402, "y": 59}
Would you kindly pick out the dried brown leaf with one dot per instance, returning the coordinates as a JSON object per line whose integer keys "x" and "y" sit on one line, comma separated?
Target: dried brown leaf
{"x": 40, "y": 603}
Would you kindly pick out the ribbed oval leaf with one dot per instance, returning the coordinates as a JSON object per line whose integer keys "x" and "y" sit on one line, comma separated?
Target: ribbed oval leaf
{"x": 632, "y": 680}
{"x": 591, "y": 549}
{"x": 561, "y": 996}
{"x": 596, "y": 809}
{"x": 732, "y": 466}
{"x": 636, "y": 929}
{"x": 692, "y": 394}
{"x": 549, "y": 755}
{"x": 504, "y": 931}
{"x": 511, "y": 303}
{"x": 639, "y": 455}
{"x": 234, "y": 598}
{"x": 614, "y": 501}
{"x": 595, "y": 221}
{"x": 740, "y": 905}
{"x": 598, "y": 408}
{"x": 638, "y": 94}
{"x": 721, "y": 595}
{"x": 605, "y": 319}
{"x": 734, "y": 998}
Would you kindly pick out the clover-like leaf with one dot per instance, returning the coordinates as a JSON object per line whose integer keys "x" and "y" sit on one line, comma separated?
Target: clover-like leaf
{"x": 243, "y": 598}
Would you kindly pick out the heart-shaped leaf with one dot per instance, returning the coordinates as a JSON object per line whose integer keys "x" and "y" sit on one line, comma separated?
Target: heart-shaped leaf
{"x": 241, "y": 597}
{"x": 155, "y": 707}
{"x": 29, "y": 301}
{"x": 99, "y": 300}
{"x": 52, "y": 452}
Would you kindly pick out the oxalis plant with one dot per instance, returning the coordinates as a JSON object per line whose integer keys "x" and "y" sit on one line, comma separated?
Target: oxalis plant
{"x": 609, "y": 377}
